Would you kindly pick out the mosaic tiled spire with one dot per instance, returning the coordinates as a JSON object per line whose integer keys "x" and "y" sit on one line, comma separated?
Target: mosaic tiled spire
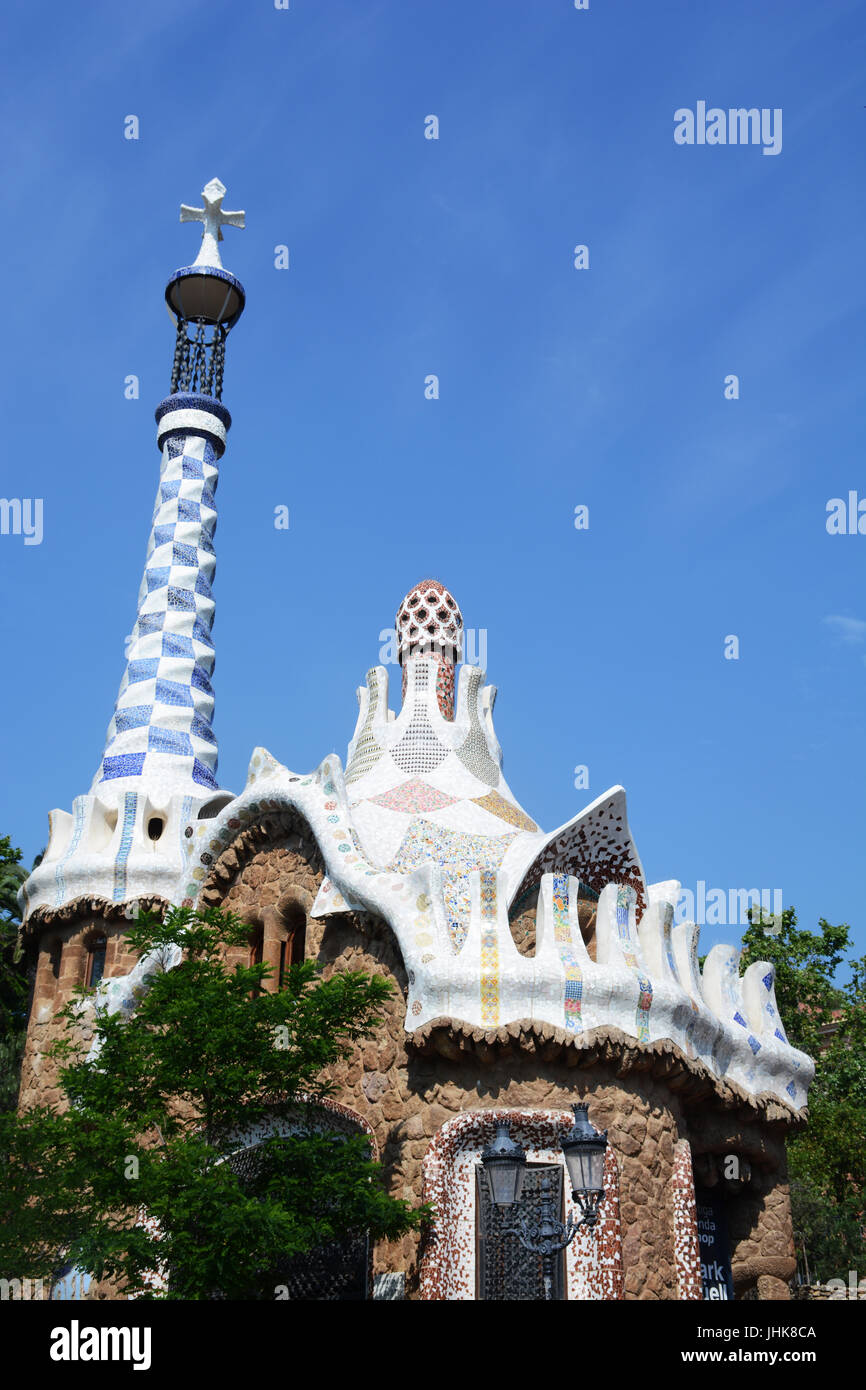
{"x": 162, "y": 729}
{"x": 161, "y": 734}
{"x": 128, "y": 837}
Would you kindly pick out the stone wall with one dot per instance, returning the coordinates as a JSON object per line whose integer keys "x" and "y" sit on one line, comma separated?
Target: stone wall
{"x": 63, "y": 940}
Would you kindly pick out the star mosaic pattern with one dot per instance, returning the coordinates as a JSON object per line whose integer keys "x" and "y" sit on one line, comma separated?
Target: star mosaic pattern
{"x": 162, "y": 718}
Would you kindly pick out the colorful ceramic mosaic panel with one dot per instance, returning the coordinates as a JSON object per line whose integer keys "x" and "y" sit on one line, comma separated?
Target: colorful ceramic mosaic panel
{"x": 489, "y": 952}
{"x": 570, "y": 964}
{"x": 645, "y": 997}
{"x": 505, "y": 810}
{"x": 415, "y": 796}
{"x": 445, "y": 689}
{"x": 458, "y": 853}
{"x": 130, "y": 801}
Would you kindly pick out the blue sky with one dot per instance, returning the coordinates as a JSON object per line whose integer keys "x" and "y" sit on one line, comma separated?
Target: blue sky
{"x": 558, "y": 387}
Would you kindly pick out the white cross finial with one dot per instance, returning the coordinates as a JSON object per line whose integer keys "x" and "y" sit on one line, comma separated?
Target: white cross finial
{"x": 214, "y": 218}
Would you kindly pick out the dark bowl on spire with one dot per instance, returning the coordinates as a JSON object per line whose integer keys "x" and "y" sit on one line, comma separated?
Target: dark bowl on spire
{"x": 205, "y": 294}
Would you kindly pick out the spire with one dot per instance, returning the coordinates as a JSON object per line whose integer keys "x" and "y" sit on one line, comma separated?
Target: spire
{"x": 128, "y": 838}
{"x": 161, "y": 733}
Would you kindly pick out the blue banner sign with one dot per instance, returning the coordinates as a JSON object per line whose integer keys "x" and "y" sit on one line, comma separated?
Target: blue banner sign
{"x": 714, "y": 1245}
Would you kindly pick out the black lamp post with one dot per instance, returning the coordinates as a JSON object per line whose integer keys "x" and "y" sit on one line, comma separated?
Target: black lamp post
{"x": 504, "y": 1163}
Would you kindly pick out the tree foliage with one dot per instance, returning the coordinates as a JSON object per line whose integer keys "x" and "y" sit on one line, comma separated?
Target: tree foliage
{"x": 156, "y": 1113}
{"x": 827, "y": 1161}
{"x": 13, "y": 974}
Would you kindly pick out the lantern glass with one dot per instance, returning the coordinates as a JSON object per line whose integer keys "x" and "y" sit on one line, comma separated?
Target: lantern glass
{"x": 505, "y": 1180}
{"x": 585, "y": 1169}
{"x": 584, "y": 1149}
{"x": 504, "y": 1162}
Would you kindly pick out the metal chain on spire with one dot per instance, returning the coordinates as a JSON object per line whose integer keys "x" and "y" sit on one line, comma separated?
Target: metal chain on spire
{"x": 199, "y": 360}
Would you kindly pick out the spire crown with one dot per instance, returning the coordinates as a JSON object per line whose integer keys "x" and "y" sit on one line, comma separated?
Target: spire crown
{"x": 429, "y": 622}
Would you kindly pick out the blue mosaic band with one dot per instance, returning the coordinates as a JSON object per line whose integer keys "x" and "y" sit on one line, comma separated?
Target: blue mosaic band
{"x": 203, "y": 416}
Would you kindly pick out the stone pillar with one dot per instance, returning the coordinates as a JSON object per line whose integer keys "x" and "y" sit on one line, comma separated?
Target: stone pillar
{"x": 641, "y": 1136}
{"x": 271, "y": 947}
{"x": 762, "y": 1240}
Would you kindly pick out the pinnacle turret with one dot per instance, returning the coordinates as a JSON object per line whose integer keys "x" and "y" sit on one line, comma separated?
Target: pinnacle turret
{"x": 161, "y": 730}
{"x": 159, "y": 765}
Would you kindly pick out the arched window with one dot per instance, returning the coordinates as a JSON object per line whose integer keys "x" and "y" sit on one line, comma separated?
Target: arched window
{"x": 257, "y": 942}
{"x": 95, "y": 964}
{"x": 255, "y": 955}
{"x": 340, "y": 1270}
{"x": 292, "y": 931}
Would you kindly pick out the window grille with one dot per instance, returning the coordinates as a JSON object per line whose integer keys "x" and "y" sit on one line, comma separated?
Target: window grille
{"x": 505, "y": 1270}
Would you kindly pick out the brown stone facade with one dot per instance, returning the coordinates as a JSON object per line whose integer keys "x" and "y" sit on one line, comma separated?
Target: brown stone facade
{"x": 406, "y": 1087}
{"x": 67, "y": 939}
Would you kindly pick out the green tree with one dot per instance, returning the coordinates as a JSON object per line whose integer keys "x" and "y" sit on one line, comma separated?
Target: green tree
{"x": 827, "y": 1161}
{"x": 13, "y": 974}
{"x": 155, "y": 1115}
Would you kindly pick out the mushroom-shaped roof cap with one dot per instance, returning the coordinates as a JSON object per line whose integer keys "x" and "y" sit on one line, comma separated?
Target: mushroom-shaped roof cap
{"x": 429, "y": 619}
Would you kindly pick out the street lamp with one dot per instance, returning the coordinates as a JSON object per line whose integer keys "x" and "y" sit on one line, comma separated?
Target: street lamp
{"x": 584, "y": 1148}
{"x": 504, "y": 1164}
